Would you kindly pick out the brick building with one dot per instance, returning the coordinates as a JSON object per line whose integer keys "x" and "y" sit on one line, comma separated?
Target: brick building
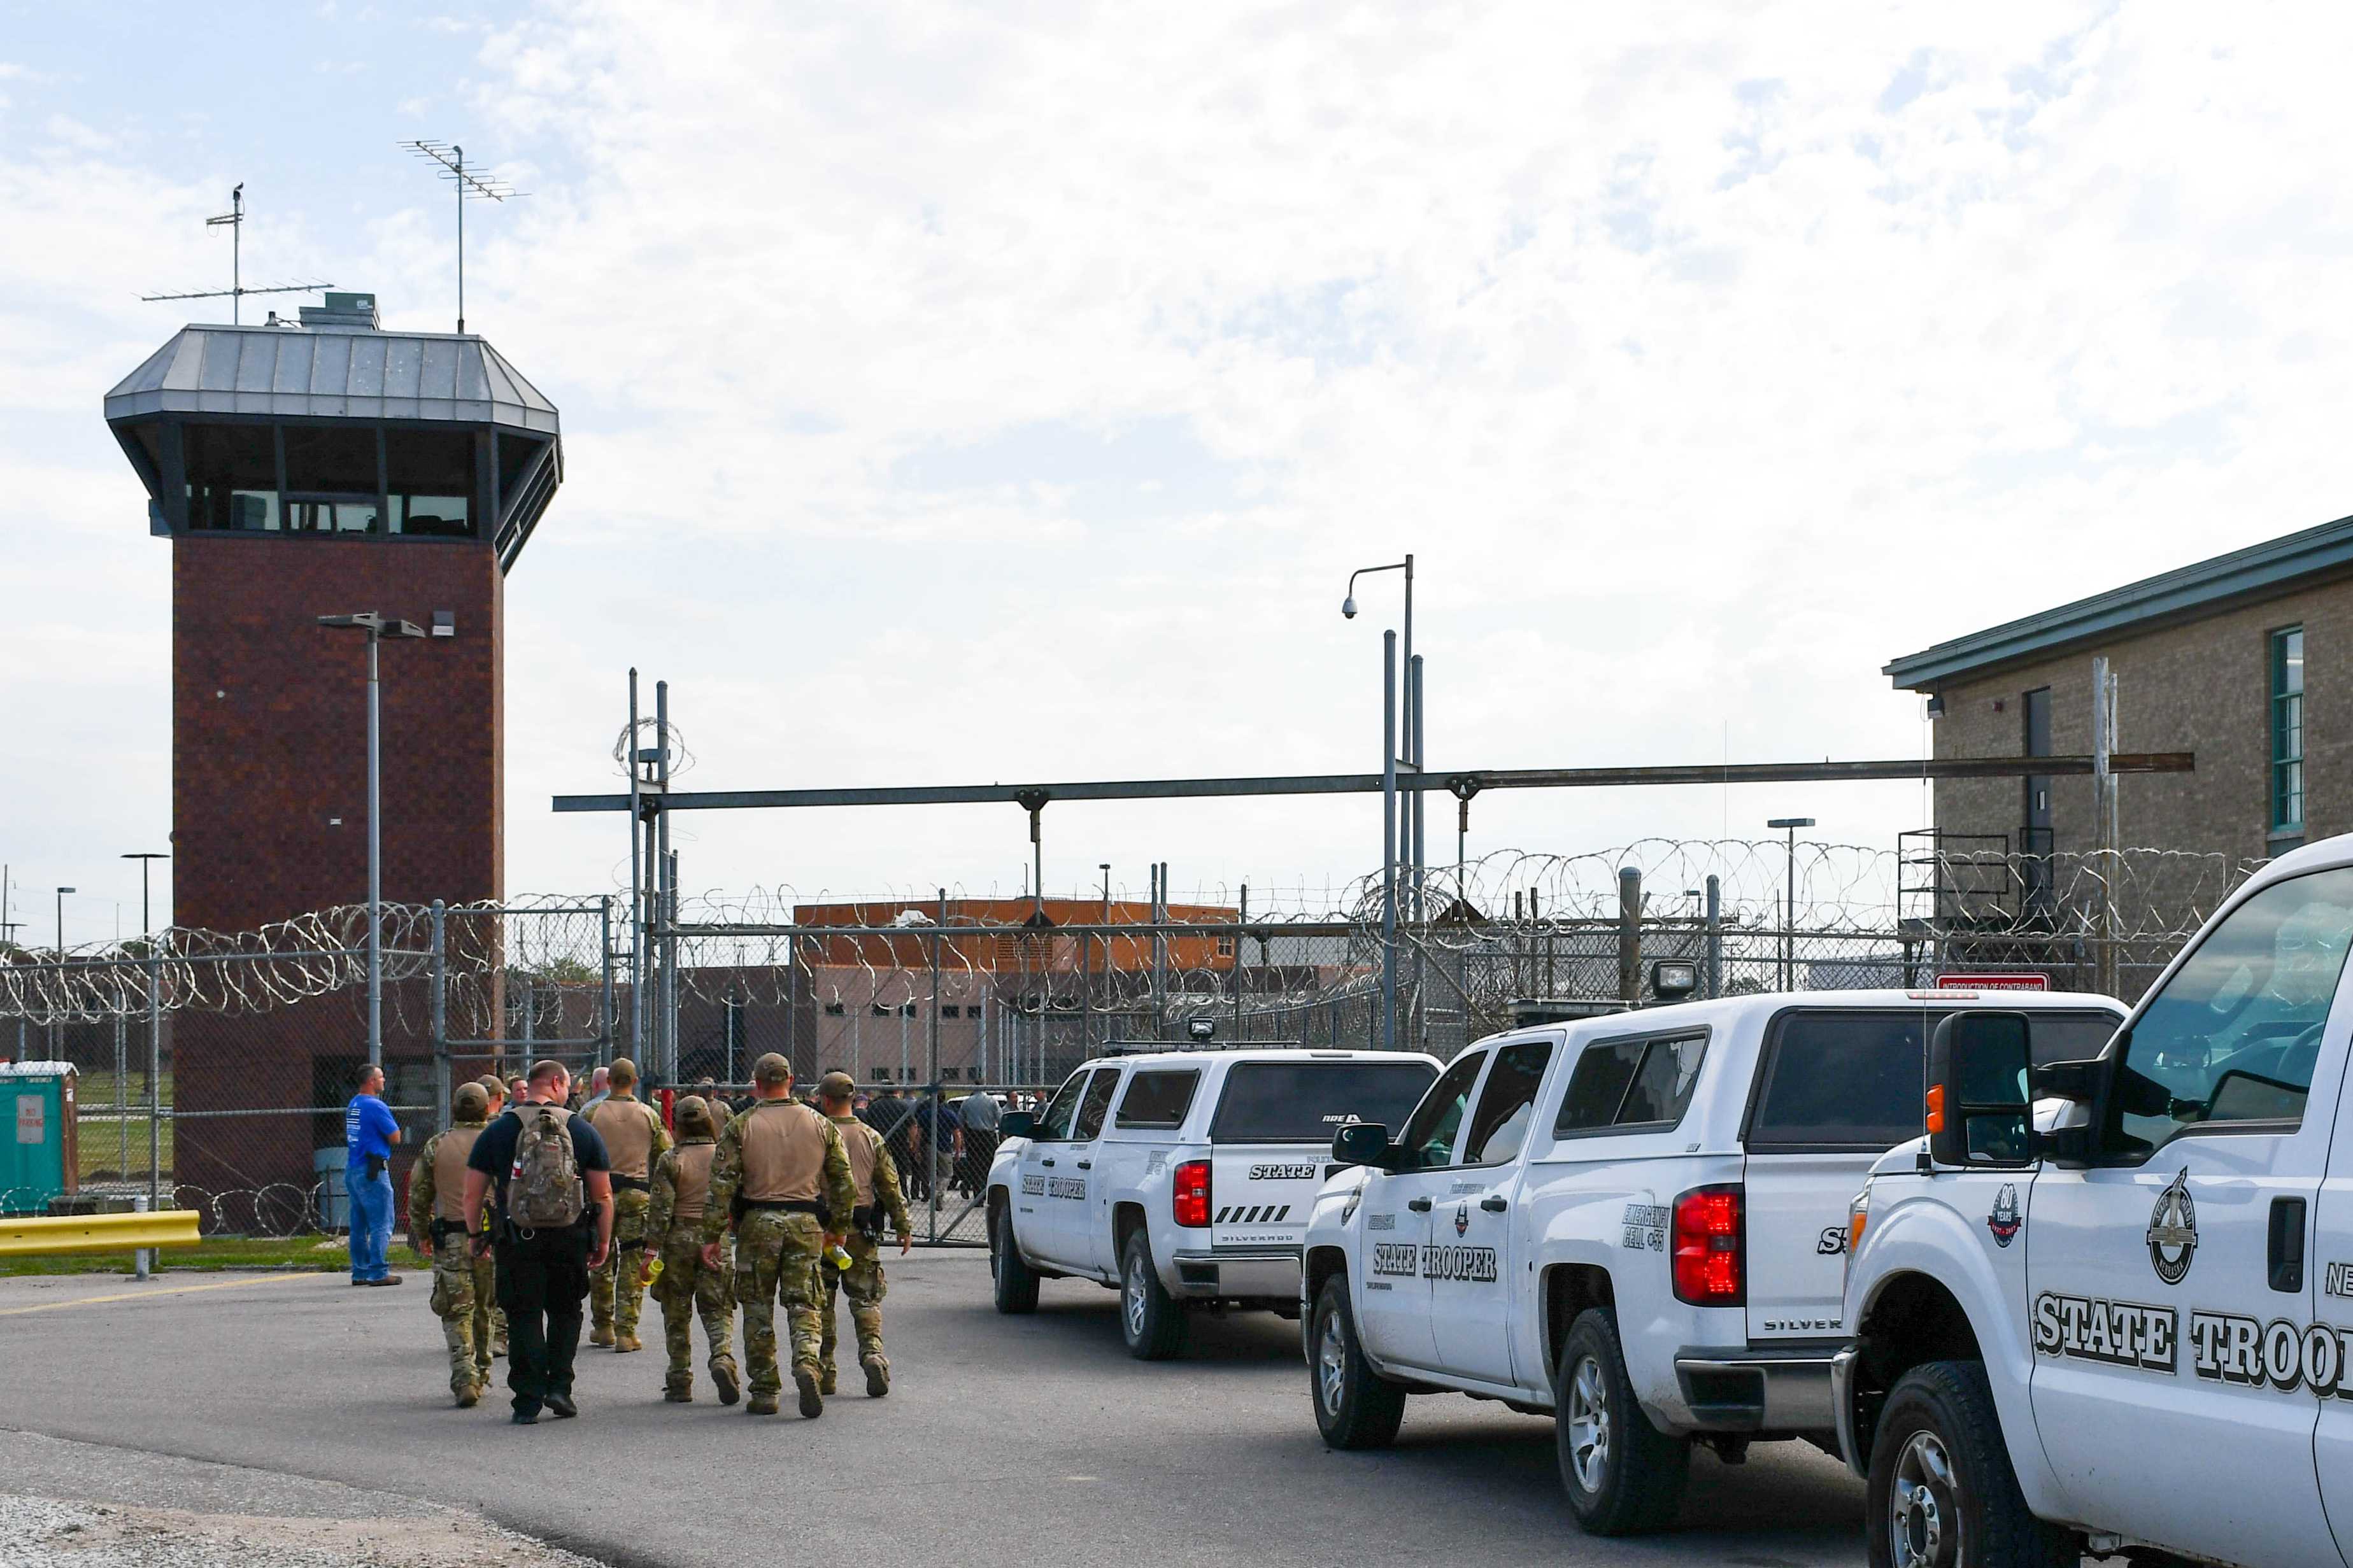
{"x": 307, "y": 469}
{"x": 2243, "y": 659}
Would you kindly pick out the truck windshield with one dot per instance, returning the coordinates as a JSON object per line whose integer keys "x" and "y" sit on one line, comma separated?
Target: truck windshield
{"x": 2234, "y": 1033}
{"x": 1307, "y": 1102}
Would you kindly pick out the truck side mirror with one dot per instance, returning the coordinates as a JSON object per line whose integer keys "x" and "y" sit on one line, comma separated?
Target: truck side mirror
{"x": 1981, "y": 1110}
{"x": 1362, "y": 1143}
{"x": 1017, "y": 1124}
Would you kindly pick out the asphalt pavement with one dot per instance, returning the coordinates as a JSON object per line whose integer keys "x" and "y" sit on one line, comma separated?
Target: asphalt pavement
{"x": 1004, "y": 1441}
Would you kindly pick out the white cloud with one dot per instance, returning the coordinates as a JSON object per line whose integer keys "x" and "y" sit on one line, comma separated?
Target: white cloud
{"x": 953, "y": 394}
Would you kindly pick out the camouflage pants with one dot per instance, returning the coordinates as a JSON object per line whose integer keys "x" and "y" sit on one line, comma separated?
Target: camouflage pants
{"x": 614, "y": 1293}
{"x": 687, "y": 1289}
{"x": 463, "y": 1288}
{"x": 864, "y": 1285}
{"x": 776, "y": 1255}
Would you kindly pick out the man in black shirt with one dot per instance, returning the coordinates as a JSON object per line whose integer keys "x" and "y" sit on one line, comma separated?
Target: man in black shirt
{"x": 543, "y": 1276}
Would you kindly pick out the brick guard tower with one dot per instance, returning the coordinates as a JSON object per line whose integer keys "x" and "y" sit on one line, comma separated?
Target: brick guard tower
{"x": 327, "y": 468}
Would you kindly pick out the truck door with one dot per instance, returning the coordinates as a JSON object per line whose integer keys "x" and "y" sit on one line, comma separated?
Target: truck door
{"x": 1048, "y": 1172}
{"x": 1392, "y": 1291}
{"x": 2328, "y": 1271}
{"x": 1470, "y": 1258}
{"x": 2168, "y": 1311}
{"x": 1088, "y": 1216}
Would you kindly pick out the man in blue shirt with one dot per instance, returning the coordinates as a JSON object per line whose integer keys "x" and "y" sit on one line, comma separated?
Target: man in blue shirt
{"x": 369, "y": 1133}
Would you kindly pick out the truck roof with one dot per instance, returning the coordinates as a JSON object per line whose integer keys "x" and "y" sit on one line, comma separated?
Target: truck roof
{"x": 1727, "y": 1010}
{"x": 1206, "y": 1056}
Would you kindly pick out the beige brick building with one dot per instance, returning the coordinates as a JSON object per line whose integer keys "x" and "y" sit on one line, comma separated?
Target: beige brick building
{"x": 2243, "y": 659}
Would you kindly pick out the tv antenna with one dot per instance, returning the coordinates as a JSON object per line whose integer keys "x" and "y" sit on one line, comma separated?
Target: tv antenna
{"x": 471, "y": 186}
{"x": 232, "y": 220}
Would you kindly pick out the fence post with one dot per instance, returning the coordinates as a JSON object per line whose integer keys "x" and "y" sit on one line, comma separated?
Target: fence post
{"x": 604, "y": 1000}
{"x": 440, "y": 1007}
{"x": 2104, "y": 824}
{"x": 121, "y": 1108}
{"x": 1240, "y": 936}
{"x": 155, "y": 1075}
{"x": 931, "y": 1142}
{"x": 1629, "y": 936}
{"x": 1714, "y": 935}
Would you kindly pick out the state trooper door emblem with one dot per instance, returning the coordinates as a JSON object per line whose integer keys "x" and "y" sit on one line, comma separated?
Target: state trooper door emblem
{"x": 2173, "y": 1231}
{"x": 1461, "y": 1219}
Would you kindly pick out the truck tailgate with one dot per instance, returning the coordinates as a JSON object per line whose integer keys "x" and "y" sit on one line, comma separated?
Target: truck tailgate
{"x": 1796, "y": 1217}
{"x": 1260, "y": 1193}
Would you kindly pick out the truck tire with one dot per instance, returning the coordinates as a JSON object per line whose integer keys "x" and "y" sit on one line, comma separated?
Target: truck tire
{"x": 1939, "y": 1437}
{"x": 1622, "y": 1474}
{"x": 1151, "y": 1320}
{"x": 1016, "y": 1286}
{"x": 1354, "y": 1407}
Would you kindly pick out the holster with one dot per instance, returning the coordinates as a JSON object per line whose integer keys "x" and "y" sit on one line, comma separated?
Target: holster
{"x": 867, "y": 1220}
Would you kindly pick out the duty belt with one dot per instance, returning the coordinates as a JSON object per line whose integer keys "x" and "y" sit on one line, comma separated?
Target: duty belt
{"x": 441, "y": 1227}
{"x": 788, "y": 1206}
{"x": 633, "y": 1183}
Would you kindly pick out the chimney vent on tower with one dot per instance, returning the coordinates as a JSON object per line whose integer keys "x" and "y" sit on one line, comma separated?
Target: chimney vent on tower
{"x": 342, "y": 313}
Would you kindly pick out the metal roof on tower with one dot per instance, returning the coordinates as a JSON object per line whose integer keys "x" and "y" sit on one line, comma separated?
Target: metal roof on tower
{"x": 333, "y": 372}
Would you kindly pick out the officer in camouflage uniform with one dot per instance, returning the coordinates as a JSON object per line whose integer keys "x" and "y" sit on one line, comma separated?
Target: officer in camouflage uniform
{"x": 781, "y": 1179}
{"x": 687, "y": 1286}
{"x": 464, "y": 1285}
{"x": 635, "y": 1138}
{"x": 879, "y": 1199}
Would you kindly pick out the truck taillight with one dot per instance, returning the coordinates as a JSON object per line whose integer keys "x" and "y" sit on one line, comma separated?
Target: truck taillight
{"x": 1190, "y": 1195}
{"x": 1708, "y": 1250}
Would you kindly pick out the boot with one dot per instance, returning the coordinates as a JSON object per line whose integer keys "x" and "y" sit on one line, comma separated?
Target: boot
{"x": 499, "y": 1347}
{"x": 761, "y": 1404}
{"x": 825, "y": 1381}
{"x": 624, "y": 1343}
{"x": 470, "y": 1396}
{"x": 601, "y": 1337}
{"x": 878, "y": 1379}
{"x": 812, "y": 1402}
{"x": 678, "y": 1397}
{"x": 723, "y": 1377}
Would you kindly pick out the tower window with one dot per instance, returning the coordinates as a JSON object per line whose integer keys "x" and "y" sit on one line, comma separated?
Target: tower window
{"x": 232, "y": 476}
{"x": 2287, "y": 733}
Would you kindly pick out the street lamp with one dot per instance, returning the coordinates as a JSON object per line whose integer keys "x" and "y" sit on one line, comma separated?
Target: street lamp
{"x": 1396, "y": 845}
{"x": 61, "y": 920}
{"x": 1789, "y": 895}
{"x": 377, "y": 627}
{"x": 147, "y": 859}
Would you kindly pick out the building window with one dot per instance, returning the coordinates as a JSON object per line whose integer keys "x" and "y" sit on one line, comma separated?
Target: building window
{"x": 2287, "y": 733}
{"x": 950, "y": 1011}
{"x": 835, "y": 1010}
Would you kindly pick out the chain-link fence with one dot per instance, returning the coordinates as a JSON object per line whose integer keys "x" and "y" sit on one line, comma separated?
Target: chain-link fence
{"x": 211, "y": 1071}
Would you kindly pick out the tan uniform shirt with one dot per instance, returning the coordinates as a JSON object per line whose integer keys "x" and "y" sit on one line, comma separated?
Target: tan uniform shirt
{"x": 631, "y": 1129}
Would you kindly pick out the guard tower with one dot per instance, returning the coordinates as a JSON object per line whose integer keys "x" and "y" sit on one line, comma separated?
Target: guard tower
{"x": 325, "y": 466}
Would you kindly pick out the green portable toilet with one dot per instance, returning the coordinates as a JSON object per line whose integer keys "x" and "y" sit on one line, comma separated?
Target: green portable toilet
{"x": 37, "y": 1157}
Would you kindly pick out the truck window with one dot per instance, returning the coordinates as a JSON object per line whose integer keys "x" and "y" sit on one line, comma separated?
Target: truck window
{"x": 1630, "y": 1083}
{"x": 1850, "y": 1082}
{"x": 1063, "y": 1109}
{"x": 1097, "y": 1103}
{"x": 1501, "y": 1124}
{"x": 1308, "y": 1101}
{"x": 1157, "y": 1098}
{"x": 2234, "y": 1036}
{"x": 1428, "y": 1135}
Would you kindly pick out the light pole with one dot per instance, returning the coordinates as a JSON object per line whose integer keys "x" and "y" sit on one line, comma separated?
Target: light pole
{"x": 1401, "y": 835}
{"x": 1789, "y": 897}
{"x": 377, "y": 627}
{"x": 61, "y": 920}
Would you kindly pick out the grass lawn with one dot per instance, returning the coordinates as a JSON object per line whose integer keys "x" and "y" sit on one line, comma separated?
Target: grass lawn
{"x": 209, "y": 1256}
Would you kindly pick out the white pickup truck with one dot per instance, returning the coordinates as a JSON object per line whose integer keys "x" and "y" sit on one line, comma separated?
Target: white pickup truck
{"x": 1181, "y": 1178}
{"x": 1633, "y": 1222}
{"x": 2128, "y": 1324}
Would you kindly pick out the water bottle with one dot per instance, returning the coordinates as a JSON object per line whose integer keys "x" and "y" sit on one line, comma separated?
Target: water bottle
{"x": 837, "y": 1256}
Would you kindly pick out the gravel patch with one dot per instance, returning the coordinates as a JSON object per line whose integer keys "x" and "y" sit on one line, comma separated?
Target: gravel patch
{"x": 54, "y": 1533}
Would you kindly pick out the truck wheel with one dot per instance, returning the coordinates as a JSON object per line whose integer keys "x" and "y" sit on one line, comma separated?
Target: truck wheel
{"x": 1016, "y": 1286}
{"x": 1355, "y": 1407}
{"x": 1150, "y": 1319}
{"x": 1622, "y": 1474}
{"x": 1942, "y": 1492}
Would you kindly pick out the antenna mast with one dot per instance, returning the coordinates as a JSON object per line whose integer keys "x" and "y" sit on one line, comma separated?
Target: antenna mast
{"x": 232, "y": 220}
{"x": 470, "y": 186}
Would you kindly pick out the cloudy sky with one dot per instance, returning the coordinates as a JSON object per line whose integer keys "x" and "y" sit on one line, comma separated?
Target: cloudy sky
{"x": 1004, "y": 392}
